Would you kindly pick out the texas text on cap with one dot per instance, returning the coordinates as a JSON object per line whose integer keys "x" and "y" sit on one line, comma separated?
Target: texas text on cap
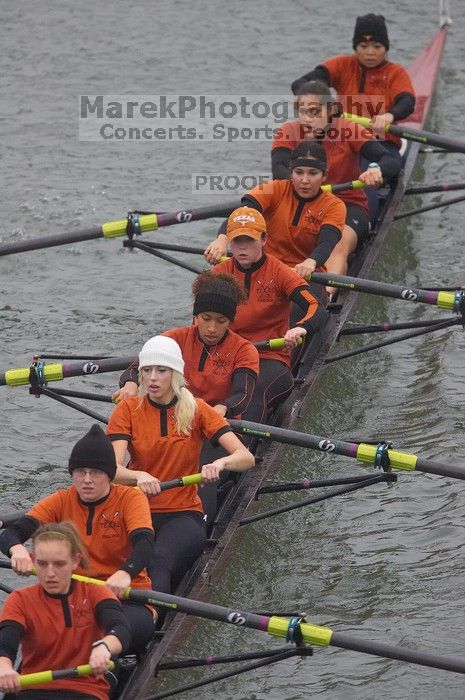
{"x": 246, "y": 221}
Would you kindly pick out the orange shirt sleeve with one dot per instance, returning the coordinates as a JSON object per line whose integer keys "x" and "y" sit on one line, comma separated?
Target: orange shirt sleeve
{"x": 286, "y": 136}
{"x": 335, "y": 213}
{"x": 136, "y": 511}
{"x": 211, "y": 423}
{"x": 120, "y": 422}
{"x": 291, "y": 282}
{"x": 247, "y": 357}
{"x": 336, "y": 67}
{"x": 49, "y": 509}
{"x": 400, "y": 81}
{"x": 268, "y": 195}
{"x": 14, "y": 609}
{"x": 99, "y": 593}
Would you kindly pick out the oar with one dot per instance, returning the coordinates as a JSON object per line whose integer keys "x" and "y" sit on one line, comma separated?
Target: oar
{"x": 293, "y": 629}
{"x": 27, "y": 680}
{"x": 138, "y": 223}
{"x": 413, "y": 134}
{"x": 273, "y": 344}
{"x": 354, "y": 185}
{"x": 429, "y": 189}
{"x": 452, "y": 301}
{"x": 376, "y": 455}
{"x": 57, "y": 371}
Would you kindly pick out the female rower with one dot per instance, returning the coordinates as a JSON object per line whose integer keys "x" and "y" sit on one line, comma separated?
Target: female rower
{"x": 344, "y": 144}
{"x": 60, "y": 623}
{"x": 163, "y": 429}
{"x": 221, "y": 367}
{"x": 113, "y": 522}
{"x": 303, "y": 223}
{"x": 372, "y": 85}
{"x": 271, "y": 286}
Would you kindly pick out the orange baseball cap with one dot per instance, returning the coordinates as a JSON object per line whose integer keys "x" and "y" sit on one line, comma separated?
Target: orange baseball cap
{"x": 246, "y": 221}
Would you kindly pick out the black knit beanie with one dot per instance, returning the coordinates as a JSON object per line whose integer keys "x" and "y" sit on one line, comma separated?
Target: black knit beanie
{"x": 94, "y": 451}
{"x": 370, "y": 28}
{"x": 215, "y": 302}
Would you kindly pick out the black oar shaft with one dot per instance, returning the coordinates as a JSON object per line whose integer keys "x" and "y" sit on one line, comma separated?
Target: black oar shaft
{"x": 348, "y": 641}
{"x": 427, "y": 137}
{"x": 51, "y": 241}
{"x": 184, "y": 215}
{"x": 429, "y": 189}
{"x": 358, "y": 450}
{"x": 173, "y": 247}
{"x": 429, "y": 207}
{"x": 445, "y": 300}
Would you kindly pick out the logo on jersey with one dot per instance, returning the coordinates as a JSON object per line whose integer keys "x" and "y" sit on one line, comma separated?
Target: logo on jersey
{"x": 266, "y": 291}
{"x": 221, "y": 363}
{"x": 81, "y": 613}
{"x": 110, "y": 525}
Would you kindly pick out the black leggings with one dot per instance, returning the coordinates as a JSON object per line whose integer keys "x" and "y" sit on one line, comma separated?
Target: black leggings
{"x": 141, "y": 624}
{"x": 274, "y": 384}
{"x": 180, "y": 539}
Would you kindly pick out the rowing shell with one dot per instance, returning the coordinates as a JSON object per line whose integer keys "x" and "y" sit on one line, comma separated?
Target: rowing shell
{"x": 423, "y": 72}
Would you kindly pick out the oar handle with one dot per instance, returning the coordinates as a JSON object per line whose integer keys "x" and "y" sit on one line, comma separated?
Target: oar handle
{"x": 363, "y": 121}
{"x": 273, "y": 343}
{"x": 354, "y": 185}
{"x": 188, "y": 480}
{"x": 27, "y": 680}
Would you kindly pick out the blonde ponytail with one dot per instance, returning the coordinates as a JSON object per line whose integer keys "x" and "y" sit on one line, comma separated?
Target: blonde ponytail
{"x": 186, "y": 404}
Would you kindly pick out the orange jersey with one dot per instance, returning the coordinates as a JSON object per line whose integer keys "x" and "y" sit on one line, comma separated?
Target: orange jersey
{"x": 59, "y": 632}
{"x": 293, "y": 224}
{"x": 342, "y": 153}
{"x": 156, "y": 447}
{"x": 209, "y": 371}
{"x": 269, "y": 283}
{"x": 104, "y": 528}
{"x": 382, "y": 84}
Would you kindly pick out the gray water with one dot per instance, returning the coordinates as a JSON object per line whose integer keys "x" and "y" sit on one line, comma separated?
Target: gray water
{"x": 387, "y": 563}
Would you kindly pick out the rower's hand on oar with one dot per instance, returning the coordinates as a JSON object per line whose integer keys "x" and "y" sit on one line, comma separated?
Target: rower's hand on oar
{"x": 147, "y": 483}
{"x": 381, "y": 120}
{"x": 21, "y": 561}
{"x": 292, "y": 336}
{"x": 129, "y": 389}
{"x": 119, "y": 582}
{"x": 9, "y": 678}
{"x": 211, "y": 472}
{"x": 373, "y": 177}
{"x": 98, "y": 660}
{"x": 216, "y": 250}
{"x": 305, "y": 268}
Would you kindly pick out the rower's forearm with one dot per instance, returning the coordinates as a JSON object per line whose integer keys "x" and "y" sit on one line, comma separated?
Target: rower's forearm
{"x": 240, "y": 460}
{"x": 125, "y": 476}
{"x": 113, "y": 644}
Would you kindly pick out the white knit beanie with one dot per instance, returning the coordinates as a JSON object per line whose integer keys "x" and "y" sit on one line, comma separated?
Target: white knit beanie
{"x": 163, "y": 352}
